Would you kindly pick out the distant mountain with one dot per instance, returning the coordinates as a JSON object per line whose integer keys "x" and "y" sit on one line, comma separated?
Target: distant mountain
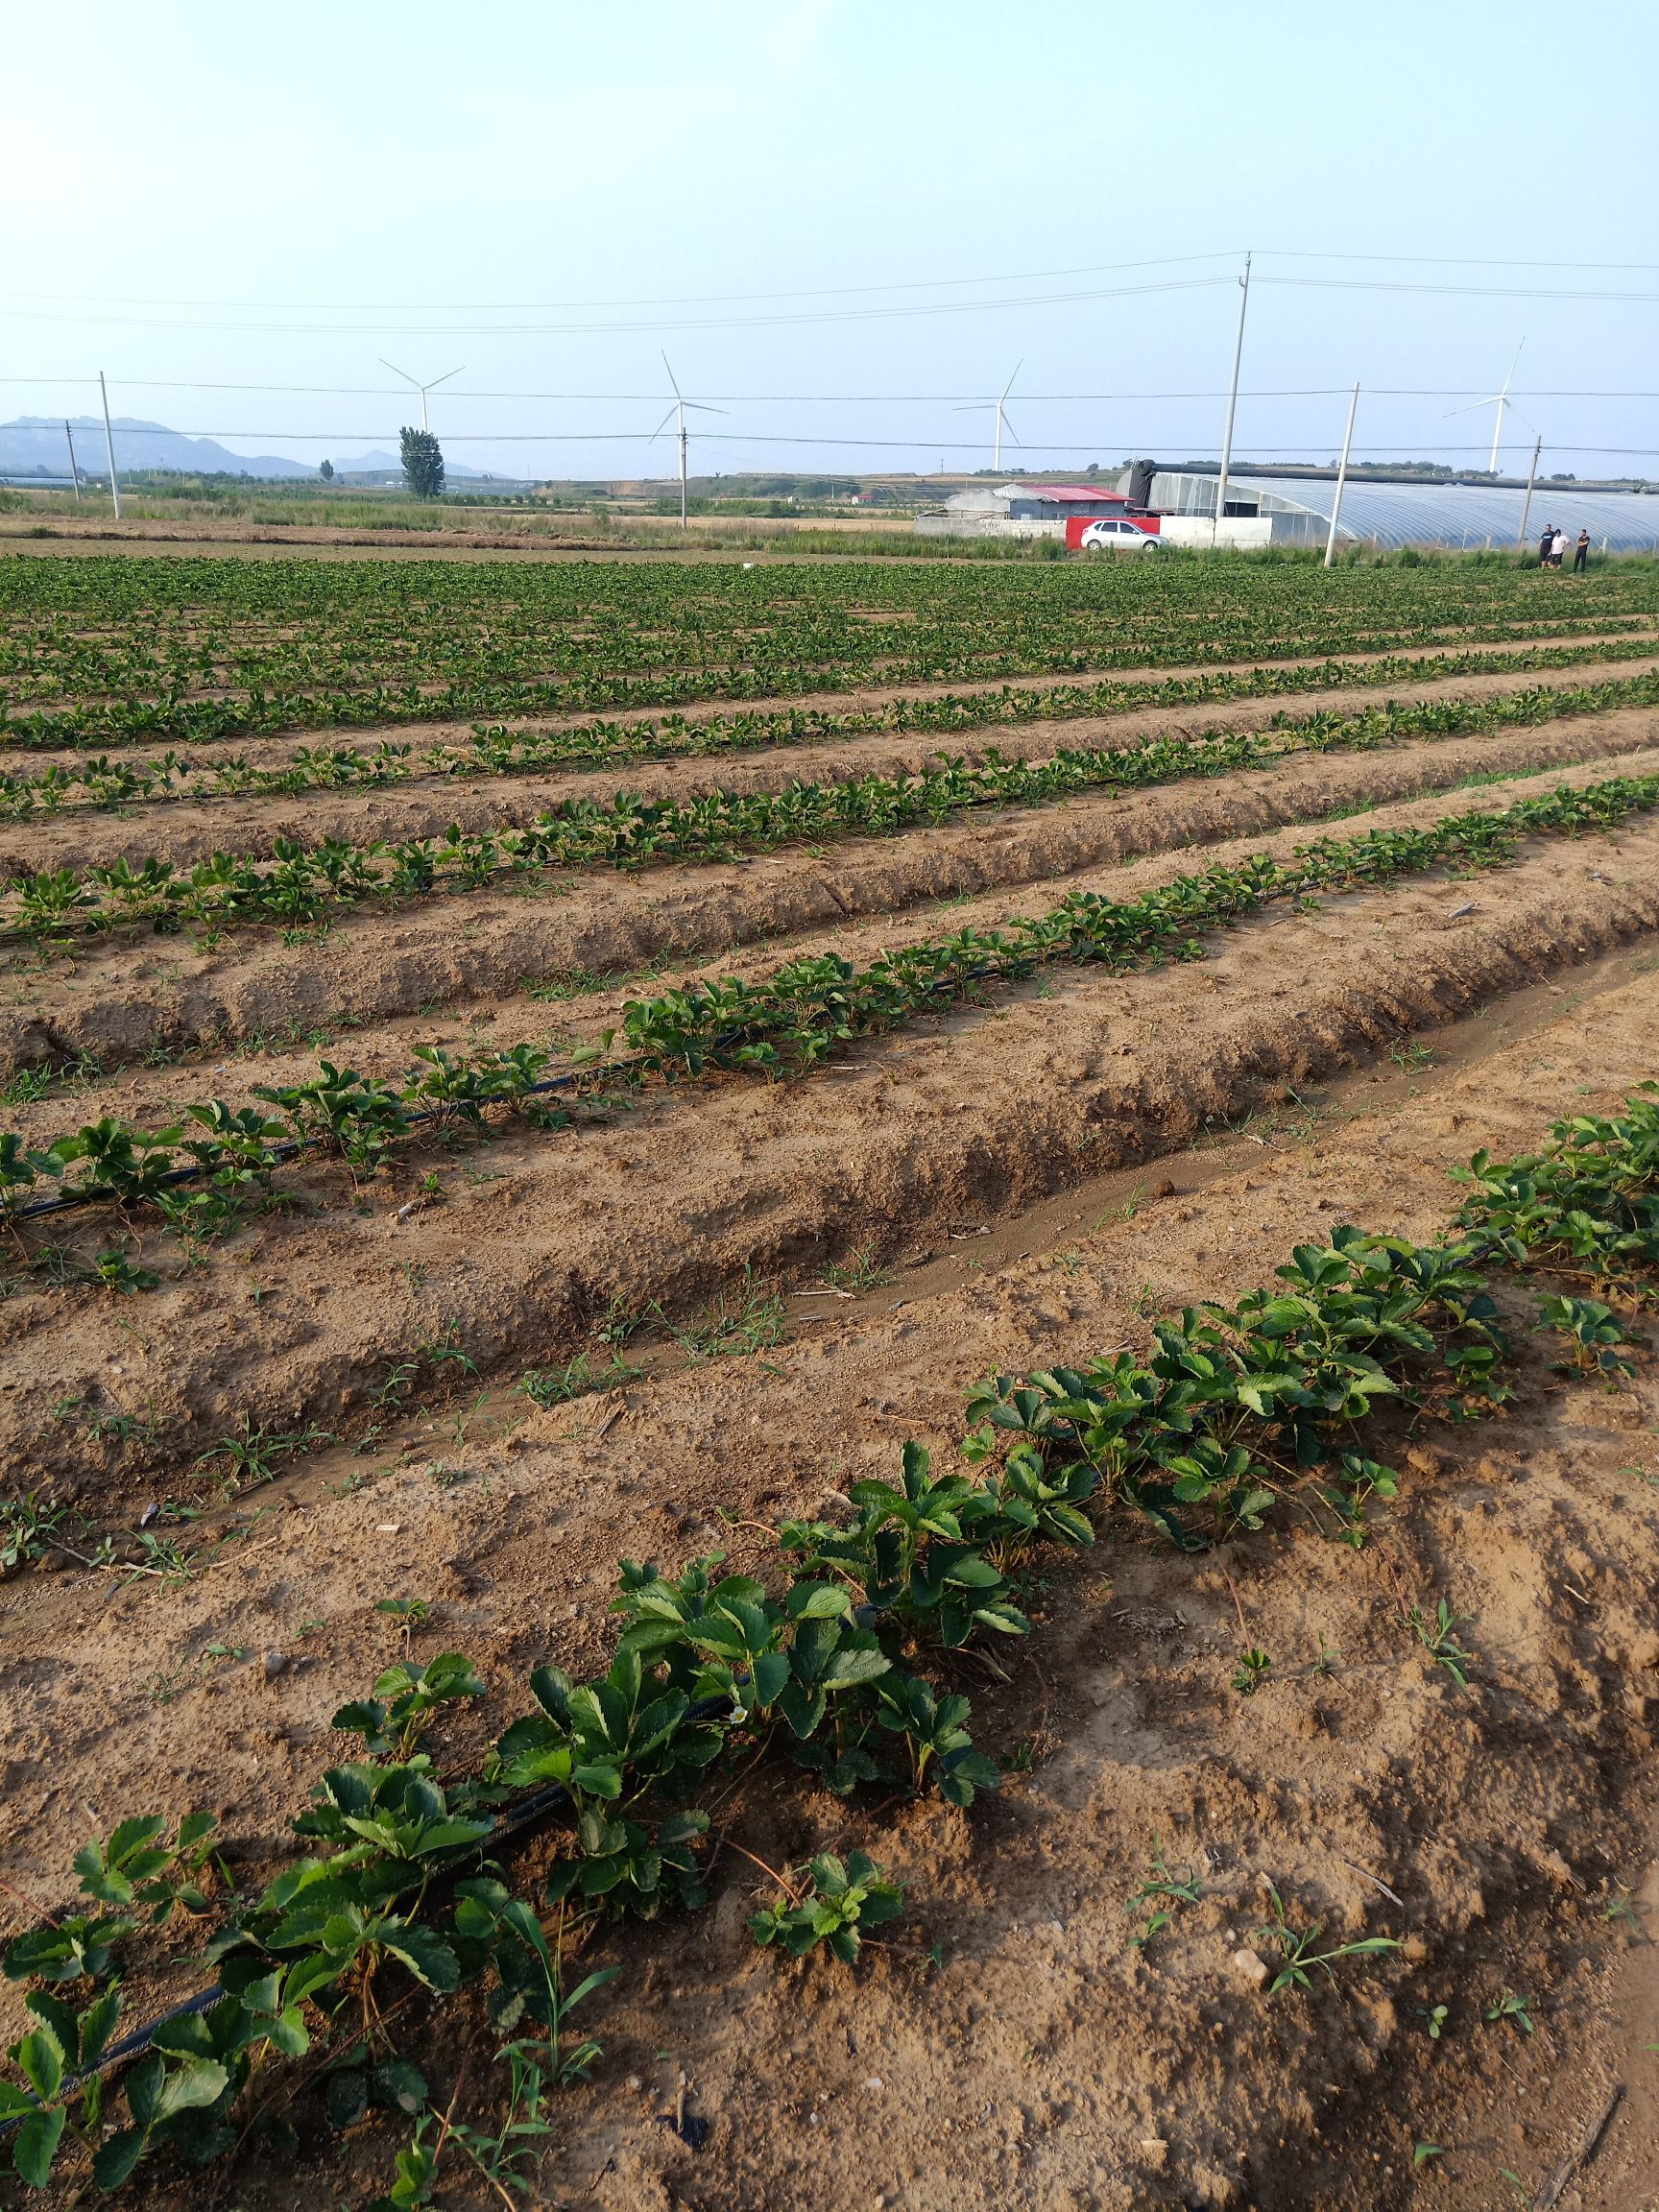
{"x": 34, "y": 444}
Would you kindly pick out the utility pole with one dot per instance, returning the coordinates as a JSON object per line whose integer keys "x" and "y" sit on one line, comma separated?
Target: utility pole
{"x": 1232, "y": 402}
{"x": 677, "y": 416}
{"x": 1341, "y": 476}
{"x": 73, "y": 469}
{"x": 1531, "y": 480}
{"x": 110, "y": 447}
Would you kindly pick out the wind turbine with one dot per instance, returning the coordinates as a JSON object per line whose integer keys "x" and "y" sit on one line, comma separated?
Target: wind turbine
{"x": 1500, "y": 400}
{"x": 975, "y": 406}
{"x": 423, "y": 389}
{"x": 678, "y": 411}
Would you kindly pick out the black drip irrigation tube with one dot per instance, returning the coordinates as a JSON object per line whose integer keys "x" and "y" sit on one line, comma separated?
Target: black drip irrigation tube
{"x": 527, "y": 1819}
{"x": 293, "y": 1148}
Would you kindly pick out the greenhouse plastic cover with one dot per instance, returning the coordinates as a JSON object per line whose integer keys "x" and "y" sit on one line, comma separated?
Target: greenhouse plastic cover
{"x": 1466, "y": 513}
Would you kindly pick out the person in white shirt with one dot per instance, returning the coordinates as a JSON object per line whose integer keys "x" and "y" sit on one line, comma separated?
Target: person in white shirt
{"x": 1557, "y": 547}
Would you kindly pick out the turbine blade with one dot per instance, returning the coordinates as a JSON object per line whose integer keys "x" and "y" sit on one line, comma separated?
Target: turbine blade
{"x": 671, "y": 378}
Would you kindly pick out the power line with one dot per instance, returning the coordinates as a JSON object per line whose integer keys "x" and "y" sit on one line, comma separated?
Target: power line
{"x": 1452, "y": 291}
{"x": 671, "y": 299}
{"x": 836, "y": 398}
{"x": 633, "y": 329}
{"x": 830, "y": 291}
{"x": 776, "y": 438}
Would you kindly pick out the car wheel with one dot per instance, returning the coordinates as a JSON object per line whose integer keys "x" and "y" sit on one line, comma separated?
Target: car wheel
{"x": 1151, "y": 545}
{"x": 1093, "y": 545}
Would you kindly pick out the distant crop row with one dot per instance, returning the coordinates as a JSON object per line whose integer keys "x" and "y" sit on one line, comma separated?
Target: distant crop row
{"x": 830, "y": 1657}
{"x": 499, "y": 751}
{"x": 302, "y": 883}
{"x": 106, "y": 652}
{"x": 796, "y": 1016}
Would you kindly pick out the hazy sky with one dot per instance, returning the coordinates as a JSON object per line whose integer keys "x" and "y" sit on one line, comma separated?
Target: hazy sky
{"x": 278, "y": 196}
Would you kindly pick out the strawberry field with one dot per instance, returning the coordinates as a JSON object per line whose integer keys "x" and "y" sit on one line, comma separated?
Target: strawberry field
{"x": 828, "y": 1384}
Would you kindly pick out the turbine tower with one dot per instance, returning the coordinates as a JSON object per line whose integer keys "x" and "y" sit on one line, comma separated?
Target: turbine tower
{"x": 997, "y": 405}
{"x": 676, "y": 414}
{"x": 1499, "y": 400}
{"x": 423, "y": 389}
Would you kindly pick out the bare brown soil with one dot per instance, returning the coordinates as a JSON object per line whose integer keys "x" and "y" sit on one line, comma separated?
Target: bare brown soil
{"x": 1025, "y": 1183}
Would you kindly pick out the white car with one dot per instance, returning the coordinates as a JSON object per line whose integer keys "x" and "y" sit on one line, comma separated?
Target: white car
{"x": 1116, "y": 537}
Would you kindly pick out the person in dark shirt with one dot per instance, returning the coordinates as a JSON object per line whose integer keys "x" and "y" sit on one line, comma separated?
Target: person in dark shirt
{"x": 1544, "y": 545}
{"x": 1581, "y": 552}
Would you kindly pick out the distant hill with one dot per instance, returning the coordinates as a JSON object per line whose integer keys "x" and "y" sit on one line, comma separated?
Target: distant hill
{"x": 34, "y": 444}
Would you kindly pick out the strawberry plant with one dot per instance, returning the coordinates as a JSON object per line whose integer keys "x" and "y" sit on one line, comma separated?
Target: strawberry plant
{"x": 829, "y": 1901}
{"x": 394, "y": 1718}
{"x": 1594, "y": 1334}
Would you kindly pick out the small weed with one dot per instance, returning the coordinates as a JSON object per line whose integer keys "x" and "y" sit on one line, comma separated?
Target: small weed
{"x": 389, "y": 1396}
{"x": 444, "y": 1351}
{"x": 1439, "y": 1639}
{"x": 1252, "y": 1668}
{"x": 1160, "y": 1891}
{"x": 1127, "y": 1212}
{"x": 1436, "y": 2016}
{"x": 548, "y": 1386}
{"x": 1512, "y": 2008}
{"x": 26, "y": 1526}
{"x": 618, "y": 1322}
{"x": 858, "y": 1271}
{"x": 1410, "y": 1057}
{"x": 252, "y": 1456}
{"x": 748, "y": 1320}
{"x": 1298, "y": 1949}
{"x": 1422, "y": 2153}
{"x": 1325, "y": 1665}
{"x": 1622, "y": 1909}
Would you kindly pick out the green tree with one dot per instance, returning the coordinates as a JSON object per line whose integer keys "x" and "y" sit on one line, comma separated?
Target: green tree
{"x": 422, "y": 463}
{"x": 326, "y": 471}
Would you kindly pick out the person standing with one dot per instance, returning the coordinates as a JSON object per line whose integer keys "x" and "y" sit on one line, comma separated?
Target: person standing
{"x": 1557, "y": 548}
{"x": 1581, "y": 553}
{"x": 1544, "y": 543}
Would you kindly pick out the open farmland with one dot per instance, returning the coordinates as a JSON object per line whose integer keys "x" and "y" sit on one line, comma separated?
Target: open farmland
{"x": 931, "y": 1104}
